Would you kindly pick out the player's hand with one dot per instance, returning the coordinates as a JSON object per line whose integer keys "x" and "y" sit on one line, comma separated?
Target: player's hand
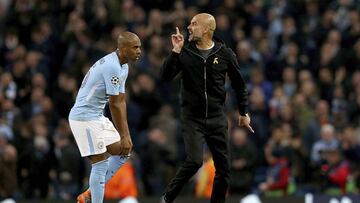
{"x": 126, "y": 145}
{"x": 244, "y": 121}
{"x": 177, "y": 41}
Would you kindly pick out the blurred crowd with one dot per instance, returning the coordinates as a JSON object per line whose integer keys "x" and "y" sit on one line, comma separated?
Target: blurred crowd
{"x": 300, "y": 59}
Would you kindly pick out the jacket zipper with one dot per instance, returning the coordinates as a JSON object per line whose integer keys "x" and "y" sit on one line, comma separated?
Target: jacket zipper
{"x": 205, "y": 89}
{"x": 205, "y": 78}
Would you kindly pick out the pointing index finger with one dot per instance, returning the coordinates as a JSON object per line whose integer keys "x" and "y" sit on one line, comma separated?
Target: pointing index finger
{"x": 250, "y": 128}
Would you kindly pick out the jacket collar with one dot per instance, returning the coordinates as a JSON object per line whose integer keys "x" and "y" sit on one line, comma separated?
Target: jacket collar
{"x": 218, "y": 44}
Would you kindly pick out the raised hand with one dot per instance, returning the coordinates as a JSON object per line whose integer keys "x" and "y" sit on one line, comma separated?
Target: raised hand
{"x": 177, "y": 41}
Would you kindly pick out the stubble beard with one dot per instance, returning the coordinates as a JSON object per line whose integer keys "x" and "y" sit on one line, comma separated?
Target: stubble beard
{"x": 192, "y": 38}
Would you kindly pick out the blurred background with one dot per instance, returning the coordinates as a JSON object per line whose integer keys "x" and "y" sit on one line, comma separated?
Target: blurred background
{"x": 300, "y": 59}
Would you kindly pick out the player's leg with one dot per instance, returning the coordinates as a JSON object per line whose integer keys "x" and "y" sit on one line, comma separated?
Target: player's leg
{"x": 91, "y": 144}
{"x": 217, "y": 141}
{"x": 99, "y": 169}
{"x": 98, "y": 164}
{"x": 114, "y": 163}
{"x": 115, "y": 160}
{"x": 193, "y": 132}
{"x": 113, "y": 147}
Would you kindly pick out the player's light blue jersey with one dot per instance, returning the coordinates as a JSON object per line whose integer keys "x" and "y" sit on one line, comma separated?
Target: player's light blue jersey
{"x": 106, "y": 77}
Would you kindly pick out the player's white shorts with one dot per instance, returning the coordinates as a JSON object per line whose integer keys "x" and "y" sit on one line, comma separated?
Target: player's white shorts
{"x": 92, "y": 137}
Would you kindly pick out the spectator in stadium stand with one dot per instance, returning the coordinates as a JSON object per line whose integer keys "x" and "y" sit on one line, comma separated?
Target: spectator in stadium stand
{"x": 243, "y": 157}
{"x": 8, "y": 179}
{"x": 278, "y": 172}
{"x": 335, "y": 170}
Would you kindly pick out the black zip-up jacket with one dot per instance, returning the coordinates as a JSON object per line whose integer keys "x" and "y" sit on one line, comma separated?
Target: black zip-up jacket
{"x": 203, "y": 79}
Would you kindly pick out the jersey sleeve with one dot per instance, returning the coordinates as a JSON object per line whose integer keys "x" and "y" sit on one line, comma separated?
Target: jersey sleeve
{"x": 114, "y": 78}
{"x": 124, "y": 74}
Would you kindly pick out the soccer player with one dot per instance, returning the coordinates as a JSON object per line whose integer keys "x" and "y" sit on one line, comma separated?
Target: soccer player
{"x": 95, "y": 135}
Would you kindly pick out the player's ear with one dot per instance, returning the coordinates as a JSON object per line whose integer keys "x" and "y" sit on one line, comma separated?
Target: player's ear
{"x": 122, "y": 50}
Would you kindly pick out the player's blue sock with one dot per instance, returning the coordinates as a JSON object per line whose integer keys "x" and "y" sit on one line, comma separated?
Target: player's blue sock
{"x": 115, "y": 162}
{"x": 97, "y": 180}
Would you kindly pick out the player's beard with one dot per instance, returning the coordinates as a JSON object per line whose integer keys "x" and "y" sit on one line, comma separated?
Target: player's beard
{"x": 193, "y": 38}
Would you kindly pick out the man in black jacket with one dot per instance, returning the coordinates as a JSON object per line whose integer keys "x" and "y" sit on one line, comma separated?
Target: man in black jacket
{"x": 204, "y": 63}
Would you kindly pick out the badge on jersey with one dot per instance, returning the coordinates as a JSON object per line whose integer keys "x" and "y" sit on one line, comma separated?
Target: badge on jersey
{"x": 115, "y": 80}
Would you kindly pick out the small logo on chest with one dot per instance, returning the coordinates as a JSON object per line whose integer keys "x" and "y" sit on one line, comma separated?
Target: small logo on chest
{"x": 215, "y": 60}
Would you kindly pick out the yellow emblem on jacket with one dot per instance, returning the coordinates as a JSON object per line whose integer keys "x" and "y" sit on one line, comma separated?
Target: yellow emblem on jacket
{"x": 215, "y": 60}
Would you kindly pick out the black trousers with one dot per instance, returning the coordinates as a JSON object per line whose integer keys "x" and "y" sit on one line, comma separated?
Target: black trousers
{"x": 195, "y": 132}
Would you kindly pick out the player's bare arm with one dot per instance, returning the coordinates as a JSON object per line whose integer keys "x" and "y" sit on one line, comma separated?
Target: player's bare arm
{"x": 117, "y": 104}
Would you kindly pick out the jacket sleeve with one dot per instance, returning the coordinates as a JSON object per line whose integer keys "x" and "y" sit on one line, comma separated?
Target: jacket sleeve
{"x": 238, "y": 84}
{"x": 171, "y": 67}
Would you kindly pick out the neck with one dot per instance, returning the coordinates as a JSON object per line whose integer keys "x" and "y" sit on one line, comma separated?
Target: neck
{"x": 121, "y": 57}
{"x": 205, "y": 44}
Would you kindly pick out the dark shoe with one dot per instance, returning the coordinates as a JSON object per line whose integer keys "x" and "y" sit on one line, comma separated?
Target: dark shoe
{"x": 164, "y": 200}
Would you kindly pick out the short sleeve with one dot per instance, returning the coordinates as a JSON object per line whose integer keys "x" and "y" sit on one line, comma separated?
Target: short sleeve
{"x": 115, "y": 78}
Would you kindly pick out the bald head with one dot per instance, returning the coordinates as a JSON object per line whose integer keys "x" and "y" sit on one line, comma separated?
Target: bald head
{"x": 207, "y": 20}
{"x": 201, "y": 29}
{"x": 127, "y": 39}
{"x": 128, "y": 45}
